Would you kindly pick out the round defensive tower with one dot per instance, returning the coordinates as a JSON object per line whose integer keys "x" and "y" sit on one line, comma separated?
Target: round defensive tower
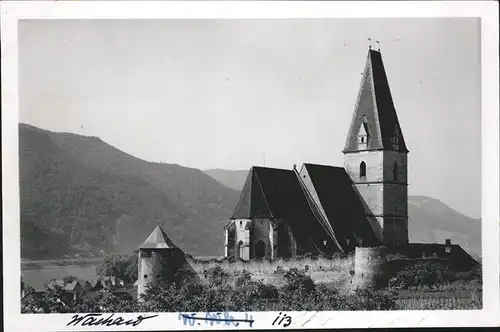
{"x": 370, "y": 267}
{"x": 157, "y": 261}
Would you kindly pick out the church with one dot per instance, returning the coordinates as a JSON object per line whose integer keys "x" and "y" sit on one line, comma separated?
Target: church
{"x": 328, "y": 209}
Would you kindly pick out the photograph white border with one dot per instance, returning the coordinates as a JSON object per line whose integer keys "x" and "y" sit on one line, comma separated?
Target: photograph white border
{"x": 12, "y": 11}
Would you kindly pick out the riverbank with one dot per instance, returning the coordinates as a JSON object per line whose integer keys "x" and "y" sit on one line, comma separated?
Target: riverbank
{"x": 28, "y": 264}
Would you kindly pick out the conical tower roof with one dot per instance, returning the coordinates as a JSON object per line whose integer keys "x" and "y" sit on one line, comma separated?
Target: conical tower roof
{"x": 375, "y": 111}
{"x": 158, "y": 239}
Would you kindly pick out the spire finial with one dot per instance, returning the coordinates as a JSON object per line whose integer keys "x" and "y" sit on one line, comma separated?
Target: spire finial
{"x": 378, "y": 45}
{"x": 370, "y": 43}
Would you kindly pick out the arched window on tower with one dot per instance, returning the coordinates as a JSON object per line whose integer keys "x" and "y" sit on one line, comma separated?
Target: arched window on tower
{"x": 362, "y": 170}
{"x": 395, "y": 171}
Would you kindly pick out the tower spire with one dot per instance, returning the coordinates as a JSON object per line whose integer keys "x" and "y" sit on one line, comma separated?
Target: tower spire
{"x": 375, "y": 110}
{"x": 375, "y": 142}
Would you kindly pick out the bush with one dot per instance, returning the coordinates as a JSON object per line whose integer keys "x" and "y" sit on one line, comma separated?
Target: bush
{"x": 216, "y": 278}
{"x": 299, "y": 291}
{"x": 189, "y": 297}
{"x": 297, "y": 281}
{"x": 425, "y": 273}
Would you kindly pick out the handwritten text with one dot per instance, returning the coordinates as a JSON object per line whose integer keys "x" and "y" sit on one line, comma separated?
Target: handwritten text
{"x": 218, "y": 318}
{"x": 98, "y": 319}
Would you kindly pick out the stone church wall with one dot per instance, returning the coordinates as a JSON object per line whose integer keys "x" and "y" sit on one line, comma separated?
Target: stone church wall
{"x": 395, "y": 200}
{"x": 373, "y": 197}
{"x": 374, "y": 161}
{"x": 242, "y": 241}
{"x": 402, "y": 161}
{"x": 261, "y": 232}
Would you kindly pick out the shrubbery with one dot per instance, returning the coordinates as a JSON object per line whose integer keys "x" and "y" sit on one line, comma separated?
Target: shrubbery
{"x": 216, "y": 290}
{"x": 298, "y": 292}
{"x": 429, "y": 273}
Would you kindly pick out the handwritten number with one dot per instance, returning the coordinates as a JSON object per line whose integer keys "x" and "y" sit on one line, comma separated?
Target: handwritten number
{"x": 282, "y": 318}
{"x": 216, "y": 317}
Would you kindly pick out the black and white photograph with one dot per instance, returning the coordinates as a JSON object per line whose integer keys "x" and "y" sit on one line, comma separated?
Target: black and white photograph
{"x": 233, "y": 171}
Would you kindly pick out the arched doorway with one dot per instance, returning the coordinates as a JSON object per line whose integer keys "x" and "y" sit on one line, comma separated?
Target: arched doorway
{"x": 260, "y": 249}
{"x": 239, "y": 250}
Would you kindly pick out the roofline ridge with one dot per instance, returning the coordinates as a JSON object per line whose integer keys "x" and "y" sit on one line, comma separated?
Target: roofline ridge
{"x": 249, "y": 176}
{"x": 271, "y": 168}
{"x": 263, "y": 195}
{"x": 310, "y": 200}
{"x": 374, "y": 100}
{"x": 356, "y": 105}
{"x": 324, "y": 165}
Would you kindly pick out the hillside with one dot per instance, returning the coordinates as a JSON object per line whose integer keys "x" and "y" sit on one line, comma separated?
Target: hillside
{"x": 80, "y": 194}
{"x": 231, "y": 179}
{"x": 430, "y": 220}
{"x": 433, "y": 221}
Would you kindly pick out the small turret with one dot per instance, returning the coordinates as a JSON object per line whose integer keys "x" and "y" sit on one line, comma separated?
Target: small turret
{"x": 157, "y": 260}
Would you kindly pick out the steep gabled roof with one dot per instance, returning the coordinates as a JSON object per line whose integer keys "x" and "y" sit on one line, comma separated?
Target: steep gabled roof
{"x": 375, "y": 109}
{"x": 277, "y": 194}
{"x": 270, "y": 193}
{"x": 343, "y": 208}
{"x": 252, "y": 203}
{"x": 158, "y": 239}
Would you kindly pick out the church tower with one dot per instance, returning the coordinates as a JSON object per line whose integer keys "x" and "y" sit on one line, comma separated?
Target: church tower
{"x": 375, "y": 155}
{"x": 158, "y": 260}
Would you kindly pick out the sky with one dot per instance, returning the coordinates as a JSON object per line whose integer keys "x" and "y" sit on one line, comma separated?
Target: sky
{"x": 231, "y": 94}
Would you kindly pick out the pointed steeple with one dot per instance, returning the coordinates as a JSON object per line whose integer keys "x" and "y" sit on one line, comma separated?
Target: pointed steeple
{"x": 374, "y": 125}
{"x": 158, "y": 239}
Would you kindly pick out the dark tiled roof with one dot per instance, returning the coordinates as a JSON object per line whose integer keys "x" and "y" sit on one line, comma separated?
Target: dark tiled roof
{"x": 277, "y": 194}
{"x": 158, "y": 239}
{"x": 270, "y": 193}
{"x": 457, "y": 254}
{"x": 375, "y": 108}
{"x": 342, "y": 206}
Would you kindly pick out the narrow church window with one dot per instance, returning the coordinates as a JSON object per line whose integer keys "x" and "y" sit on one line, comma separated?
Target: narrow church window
{"x": 362, "y": 169}
{"x": 395, "y": 171}
{"x": 241, "y": 223}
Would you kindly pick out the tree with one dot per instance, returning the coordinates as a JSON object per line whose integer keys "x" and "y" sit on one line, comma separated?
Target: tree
{"x": 51, "y": 300}
{"x": 120, "y": 266}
